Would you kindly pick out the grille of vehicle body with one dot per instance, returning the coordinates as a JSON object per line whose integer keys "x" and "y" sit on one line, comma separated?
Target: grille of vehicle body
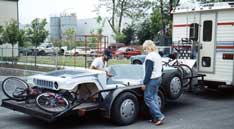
{"x": 43, "y": 83}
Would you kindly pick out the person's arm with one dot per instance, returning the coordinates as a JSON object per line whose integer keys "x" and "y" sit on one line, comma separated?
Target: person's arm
{"x": 148, "y": 71}
{"x": 94, "y": 67}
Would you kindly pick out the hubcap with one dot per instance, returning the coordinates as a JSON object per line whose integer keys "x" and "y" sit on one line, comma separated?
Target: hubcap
{"x": 159, "y": 101}
{"x": 127, "y": 109}
{"x": 175, "y": 85}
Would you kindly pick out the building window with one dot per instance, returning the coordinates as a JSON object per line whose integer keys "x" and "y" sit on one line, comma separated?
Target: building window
{"x": 193, "y": 31}
{"x": 207, "y": 31}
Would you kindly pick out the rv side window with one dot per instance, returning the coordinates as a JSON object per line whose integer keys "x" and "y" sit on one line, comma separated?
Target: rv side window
{"x": 193, "y": 31}
{"x": 207, "y": 31}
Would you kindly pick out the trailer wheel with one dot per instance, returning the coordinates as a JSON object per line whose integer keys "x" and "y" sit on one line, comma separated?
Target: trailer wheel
{"x": 173, "y": 84}
{"x": 125, "y": 109}
{"x": 161, "y": 99}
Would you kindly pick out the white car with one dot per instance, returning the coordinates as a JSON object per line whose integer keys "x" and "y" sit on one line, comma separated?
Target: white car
{"x": 79, "y": 51}
{"x": 118, "y": 97}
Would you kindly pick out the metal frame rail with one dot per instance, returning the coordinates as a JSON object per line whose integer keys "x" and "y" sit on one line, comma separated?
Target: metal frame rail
{"x": 33, "y": 110}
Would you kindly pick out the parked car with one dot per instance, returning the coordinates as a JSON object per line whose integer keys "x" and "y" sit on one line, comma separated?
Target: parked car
{"x": 164, "y": 51}
{"x": 115, "y": 46}
{"x": 126, "y": 52}
{"x": 47, "y": 49}
{"x": 26, "y": 51}
{"x": 79, "y": 51}
{"x": 30, "y": 51}
{"x": 118, "y": 97}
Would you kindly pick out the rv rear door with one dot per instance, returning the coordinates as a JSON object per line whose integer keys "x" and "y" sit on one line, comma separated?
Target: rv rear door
{"x": 207, "y": 40}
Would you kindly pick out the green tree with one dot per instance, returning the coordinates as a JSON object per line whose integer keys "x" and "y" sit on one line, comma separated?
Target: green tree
{"x": 1, "y": 35}
{"x": 101, "y": 23}
{"x": 155, "y": 22}
{"x": 11, "y": 34}
{"x": 36, "y": 33}
{"x": 119, "y": 9}
{"x": 70, "y": 37}
{"x": 129, "y": 33}
{"x": 120, "y": 37}
{"x": 22, "y": 38}
{"x": 144, "y": 31}
{"x": 57, "y": 43}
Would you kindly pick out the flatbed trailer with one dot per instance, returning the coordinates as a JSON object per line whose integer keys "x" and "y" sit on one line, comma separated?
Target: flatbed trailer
{"x": 29, "y": 107}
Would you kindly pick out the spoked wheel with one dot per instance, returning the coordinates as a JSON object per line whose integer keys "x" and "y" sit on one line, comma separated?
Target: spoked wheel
{"x": 52, "y": 102}
{"x": 15, "y": 88}
{"x": 187, "y": 73}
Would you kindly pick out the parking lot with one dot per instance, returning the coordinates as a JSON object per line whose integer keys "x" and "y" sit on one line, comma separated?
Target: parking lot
{"x": 206, "y": 110}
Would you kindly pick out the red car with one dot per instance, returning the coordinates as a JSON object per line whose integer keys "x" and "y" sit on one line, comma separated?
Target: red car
{"x": 126, "y": 52}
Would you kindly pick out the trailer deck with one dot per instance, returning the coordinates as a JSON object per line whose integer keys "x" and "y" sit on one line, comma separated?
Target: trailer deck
{"x": 32, "y": 109}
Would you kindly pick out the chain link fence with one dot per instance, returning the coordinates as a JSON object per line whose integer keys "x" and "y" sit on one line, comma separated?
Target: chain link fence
{"x": 29, "y": 59}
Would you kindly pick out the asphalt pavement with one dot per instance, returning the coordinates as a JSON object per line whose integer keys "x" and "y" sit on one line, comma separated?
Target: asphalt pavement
{"x": 207, "y": 110}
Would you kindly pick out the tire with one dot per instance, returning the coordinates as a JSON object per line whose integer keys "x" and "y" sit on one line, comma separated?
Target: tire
{"x": 161, "y": 100}
{"x": 173, "y": 85}
{"x": 125, "y": 109}
{"x": 41, "y": 53}
{"x": 137, "y": 62}
{"x": 52, "y": 102}
{"x": 61, "y": 52}
{"x": 186, "y": 72}
{"x": 15, "y": 88}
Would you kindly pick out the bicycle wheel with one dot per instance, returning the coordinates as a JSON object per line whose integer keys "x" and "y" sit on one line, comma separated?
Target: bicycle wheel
{"x": 187, "y": 72}
{"x": 52, "y": 102}
{"x": 15, "y": 88}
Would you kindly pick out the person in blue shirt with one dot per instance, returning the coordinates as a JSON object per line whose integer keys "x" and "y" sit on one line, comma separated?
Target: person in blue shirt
{"x": 152, "y": 80}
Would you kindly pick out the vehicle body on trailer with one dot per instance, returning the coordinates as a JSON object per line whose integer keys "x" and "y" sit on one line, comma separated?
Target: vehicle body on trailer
{"x": 118, "y": 97}
{"x": 210, "y": 27}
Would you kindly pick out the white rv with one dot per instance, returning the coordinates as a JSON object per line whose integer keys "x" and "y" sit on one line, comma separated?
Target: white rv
{"x": 211, "y": 26}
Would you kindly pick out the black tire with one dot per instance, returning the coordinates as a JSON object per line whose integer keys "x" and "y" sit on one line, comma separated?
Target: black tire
{"x": 43, "y": 101}
{"x": 41, "y": 53}
{"x": 120, "y": 107}
{"x": 162, "y": 100}
{"x": 61, "y": 52}
{"x": 15, "y": 88}
{"x": 173, "y": 84}
{"x": 137, "y": 62}
{"x": 186, "y": 73}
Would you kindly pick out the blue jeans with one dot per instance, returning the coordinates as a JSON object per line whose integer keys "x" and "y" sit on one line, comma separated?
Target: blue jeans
{"x": 150, "y": 98}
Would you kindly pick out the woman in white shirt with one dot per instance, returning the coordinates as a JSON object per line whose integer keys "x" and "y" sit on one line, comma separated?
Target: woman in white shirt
{"x": 152, "y": 80}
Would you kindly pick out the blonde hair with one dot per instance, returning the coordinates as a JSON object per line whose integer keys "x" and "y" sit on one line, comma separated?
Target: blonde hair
{"x": 149, "y": 45}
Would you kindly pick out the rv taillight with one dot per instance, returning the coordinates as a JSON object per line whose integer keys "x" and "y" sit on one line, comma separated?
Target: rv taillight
{"x": 228, "y": 56}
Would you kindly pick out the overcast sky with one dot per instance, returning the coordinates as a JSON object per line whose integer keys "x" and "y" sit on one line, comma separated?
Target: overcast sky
{"x": 30, "y": 9}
